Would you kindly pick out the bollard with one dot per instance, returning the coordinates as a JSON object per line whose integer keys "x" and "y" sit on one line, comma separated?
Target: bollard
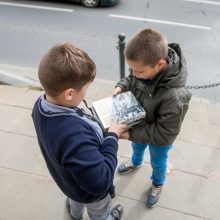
{"x": 121, "y": 47}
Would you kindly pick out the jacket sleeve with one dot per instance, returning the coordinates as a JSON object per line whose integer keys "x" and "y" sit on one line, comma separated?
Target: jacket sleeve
{"x": 125, "y": 83}
{"x": 91, "y": 164}
{"x": 164, "y": 130}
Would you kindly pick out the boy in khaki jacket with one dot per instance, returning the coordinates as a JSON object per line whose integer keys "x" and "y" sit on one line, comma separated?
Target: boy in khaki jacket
{"x": 158, "y": 77}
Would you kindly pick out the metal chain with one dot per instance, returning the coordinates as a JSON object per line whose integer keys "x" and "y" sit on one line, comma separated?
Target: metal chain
{"x": 204, "y": 86}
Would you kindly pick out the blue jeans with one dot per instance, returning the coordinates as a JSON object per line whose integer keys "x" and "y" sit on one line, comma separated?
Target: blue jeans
{"x": 158, "y": 160}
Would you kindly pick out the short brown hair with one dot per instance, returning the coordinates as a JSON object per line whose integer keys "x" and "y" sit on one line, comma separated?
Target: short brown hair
{"x": 148, "y": 46}
{"x": 65, "y": 66}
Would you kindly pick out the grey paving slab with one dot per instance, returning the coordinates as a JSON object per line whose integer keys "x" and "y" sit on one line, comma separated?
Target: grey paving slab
{"x": 197, "y": 111}
{"x": 25, "y": 156}
{"x": 165, "y": 214}
{"x": 10, "y": 95}
{"x": 186, "y": 132}
{"x": 200, "y": 133}
{"x": 191, "y": 194}
{"x": 202, "y": 101}
{"x": 207, "y": 134}
{"x": 137, "y": 210}
{"x": 15, "y": 119}
{"x": 6, "y": 116}
{"x": 101, "y": 89}
{"x": 195, "y": 158}
{"x": 214, "y": 114}
{"x": 29, "y": 98}
{"x": 23, "y": 123}
{"x": 7, "y": 142}
{"x": 54, "y": 207}
{"x": 25, "y": 197}
{"x": 183, "y": 192}
{"x": 211, "y": 197}
{"x": 6, "y": 179}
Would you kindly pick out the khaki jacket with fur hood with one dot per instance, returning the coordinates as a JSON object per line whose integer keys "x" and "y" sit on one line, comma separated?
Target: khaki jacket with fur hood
{"x": 165, "y": 101}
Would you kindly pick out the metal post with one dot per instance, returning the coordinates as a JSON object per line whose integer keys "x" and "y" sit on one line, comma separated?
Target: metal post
{"x": 121, "y": 47}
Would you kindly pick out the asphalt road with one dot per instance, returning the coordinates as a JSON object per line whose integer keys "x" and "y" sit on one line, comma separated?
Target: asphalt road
{"x": 27, "y": 32}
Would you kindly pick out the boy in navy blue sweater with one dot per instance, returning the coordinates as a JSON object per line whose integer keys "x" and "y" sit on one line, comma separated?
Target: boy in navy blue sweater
{"x": 80, "y": 158}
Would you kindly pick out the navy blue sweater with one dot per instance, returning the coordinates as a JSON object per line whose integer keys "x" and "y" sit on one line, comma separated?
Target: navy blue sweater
{"x": 81, "y": 161}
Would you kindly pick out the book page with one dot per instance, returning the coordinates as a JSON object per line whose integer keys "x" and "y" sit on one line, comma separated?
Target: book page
{"x": 124, "y": 107}
{"x": 103, "y": 109}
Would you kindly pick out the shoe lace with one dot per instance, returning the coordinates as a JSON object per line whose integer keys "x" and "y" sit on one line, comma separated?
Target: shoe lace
{"x": 155, "y": 191}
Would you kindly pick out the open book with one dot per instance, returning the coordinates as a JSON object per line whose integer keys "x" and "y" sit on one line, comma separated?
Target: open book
{"x": 123, "y": 106}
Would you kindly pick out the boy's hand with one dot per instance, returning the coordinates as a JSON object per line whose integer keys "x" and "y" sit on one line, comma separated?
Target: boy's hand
{"x": 116, "y": 91}
{"x": 117, "y": 128}
{"x": 124, "y": 135}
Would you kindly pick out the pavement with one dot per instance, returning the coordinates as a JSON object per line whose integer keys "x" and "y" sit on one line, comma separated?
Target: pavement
{"x": 191, "y": 192}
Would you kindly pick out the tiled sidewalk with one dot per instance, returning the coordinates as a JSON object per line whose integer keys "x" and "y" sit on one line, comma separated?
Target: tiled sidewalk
{"x": 27, "y": 191}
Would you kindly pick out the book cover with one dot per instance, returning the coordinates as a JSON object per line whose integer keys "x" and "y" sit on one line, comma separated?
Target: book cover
{"x": 123, "y": 106}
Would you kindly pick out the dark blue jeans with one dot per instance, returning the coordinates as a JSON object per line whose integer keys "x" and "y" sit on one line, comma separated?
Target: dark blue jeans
{"x": 158, "y": 160}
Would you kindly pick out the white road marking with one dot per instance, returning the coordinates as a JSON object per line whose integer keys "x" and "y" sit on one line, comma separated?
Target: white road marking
{"x": 204, "y": 2}
{"x": 36, "y": 7}
{"x": 161, "y": 22}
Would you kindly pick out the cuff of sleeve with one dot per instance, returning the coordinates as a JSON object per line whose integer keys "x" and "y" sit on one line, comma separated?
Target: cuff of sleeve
{"x": 112, "y": 134}
{"x": 121, "y": 86}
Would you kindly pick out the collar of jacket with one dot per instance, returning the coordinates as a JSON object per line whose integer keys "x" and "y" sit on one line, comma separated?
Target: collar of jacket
{"x": 50, "y": 110}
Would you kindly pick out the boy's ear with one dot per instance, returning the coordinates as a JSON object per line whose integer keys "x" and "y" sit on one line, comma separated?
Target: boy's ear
{"x": 68, "y": 94}
{"x": 161, "y": 64}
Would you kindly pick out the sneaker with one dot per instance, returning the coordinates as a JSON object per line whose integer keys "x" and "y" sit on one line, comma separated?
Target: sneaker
{"x": 153, "y": 196}
{"x": 127, "y": 167}
{"x": 116, "y": 212}
{"x": 68, "y": 209}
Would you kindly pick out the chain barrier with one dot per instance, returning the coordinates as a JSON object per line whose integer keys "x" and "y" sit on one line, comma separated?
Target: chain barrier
{"x": 204, "y": 86}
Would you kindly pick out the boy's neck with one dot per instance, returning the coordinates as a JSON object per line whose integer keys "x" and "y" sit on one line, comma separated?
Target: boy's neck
{"x": 52, "y": 100}
{"x": 58, "y": 101}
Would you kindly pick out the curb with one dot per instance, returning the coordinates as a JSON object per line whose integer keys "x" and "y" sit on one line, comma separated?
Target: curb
{"x": 26, "y": 77}
{"x": 18, "y": 81}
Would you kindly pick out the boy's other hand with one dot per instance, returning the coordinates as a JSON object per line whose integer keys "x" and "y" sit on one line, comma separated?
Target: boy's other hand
{"x": 116, "y": 91}
{"x": 124, "y": 135}
{"x": 117, "y": 128}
